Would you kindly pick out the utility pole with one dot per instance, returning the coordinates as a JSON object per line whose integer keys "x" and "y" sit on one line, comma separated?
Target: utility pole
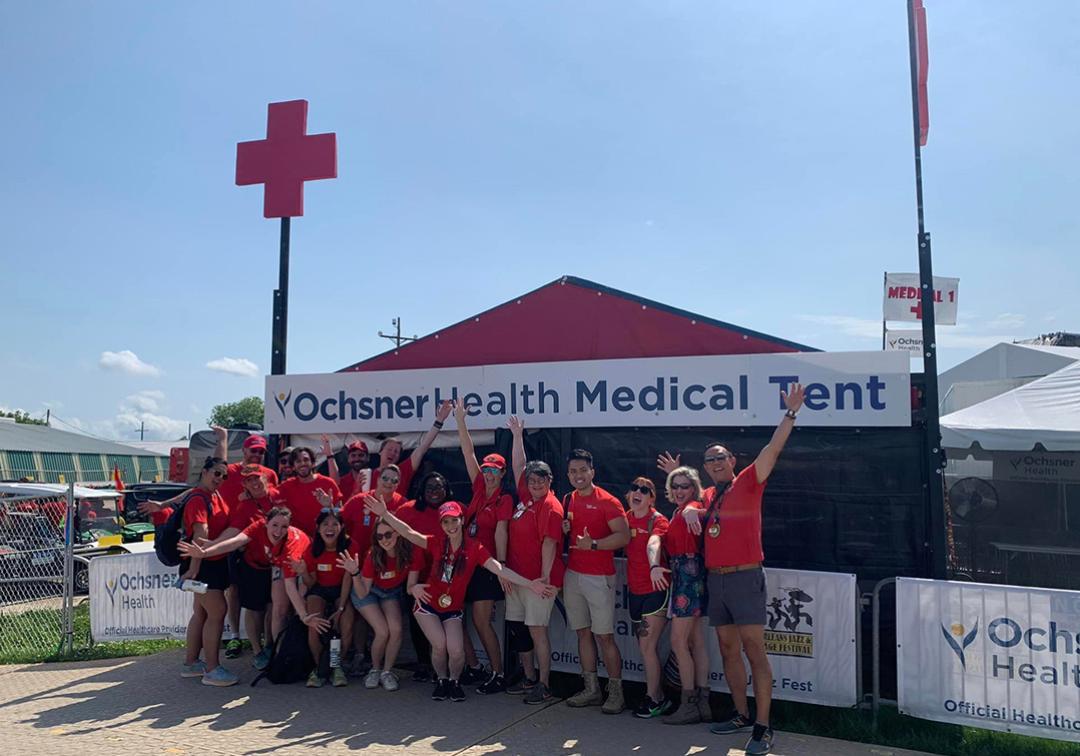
{"x": 396, "y": 337}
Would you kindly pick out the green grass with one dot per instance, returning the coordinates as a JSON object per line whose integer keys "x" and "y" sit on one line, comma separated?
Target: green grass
{"x": 33, "y": 636}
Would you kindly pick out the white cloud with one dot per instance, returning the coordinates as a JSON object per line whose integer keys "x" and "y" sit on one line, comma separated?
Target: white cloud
{"x": 235, "y": 366}
{"x": 126, "y": 425}
{"x": 861, "y": 328}
{"x": 128, "y": 362}
{"x": 144, "y": 401}
{"x": 1007, "y": 320}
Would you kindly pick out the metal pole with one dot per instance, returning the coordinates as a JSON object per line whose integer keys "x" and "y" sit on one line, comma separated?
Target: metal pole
{"x": 876, "y": 640}
{"x": 69, "y": 572}
{"x": 280, "y": 335}
{"x": 934, "y": 458}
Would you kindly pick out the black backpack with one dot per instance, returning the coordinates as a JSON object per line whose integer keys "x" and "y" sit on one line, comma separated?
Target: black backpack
{"x": 167, "y": 537}
{"x": 290, "y": 657}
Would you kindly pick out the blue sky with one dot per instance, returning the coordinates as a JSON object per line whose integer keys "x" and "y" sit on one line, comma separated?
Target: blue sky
{"x": 749, "y": 161}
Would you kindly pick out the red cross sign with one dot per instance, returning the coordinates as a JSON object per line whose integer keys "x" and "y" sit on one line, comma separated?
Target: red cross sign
{"x": 287, "y": 158}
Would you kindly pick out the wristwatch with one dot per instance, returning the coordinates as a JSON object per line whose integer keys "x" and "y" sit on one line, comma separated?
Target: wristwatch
{"x": 790, "y": 414}
{"x": 593, "y": 546}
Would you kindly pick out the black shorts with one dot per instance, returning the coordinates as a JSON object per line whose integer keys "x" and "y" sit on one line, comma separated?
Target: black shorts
{"x": 213, "y": 572}
{"x": 737, "y": 598}
{"x": 483, "y": 586}
{"x": 644, "y": 604}
{"x": 254, "y": 585}
{"x": 328, "y": 593}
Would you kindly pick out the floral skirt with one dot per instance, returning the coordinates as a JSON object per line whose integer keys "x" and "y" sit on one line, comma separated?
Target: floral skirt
{"x": 688, "y": 595}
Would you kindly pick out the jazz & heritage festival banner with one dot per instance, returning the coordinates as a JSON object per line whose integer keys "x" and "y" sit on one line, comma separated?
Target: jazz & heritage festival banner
{"x": 1000, "y": 657}
{"x": 842, "y": 389}
{"x": 810, "y": 637}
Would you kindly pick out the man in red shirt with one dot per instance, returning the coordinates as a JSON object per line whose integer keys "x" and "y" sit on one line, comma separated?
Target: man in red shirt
{"x": 358, "y": 478}
{"x": 736, "y": 580}
{"x": 390, "y": 451}
{"x": 298, "y": 492}
{"x": 597, "y": 527}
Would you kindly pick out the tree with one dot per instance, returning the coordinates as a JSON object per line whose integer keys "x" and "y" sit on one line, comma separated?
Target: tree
{"x": 235, "y": 414}
{"x": 22, "y": 417}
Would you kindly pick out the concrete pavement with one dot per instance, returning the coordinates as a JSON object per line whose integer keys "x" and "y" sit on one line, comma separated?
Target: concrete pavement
{"x": 141, "y": 706}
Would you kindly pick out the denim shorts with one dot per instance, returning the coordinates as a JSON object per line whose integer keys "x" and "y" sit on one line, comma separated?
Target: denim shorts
{"x": 375, "y": 595}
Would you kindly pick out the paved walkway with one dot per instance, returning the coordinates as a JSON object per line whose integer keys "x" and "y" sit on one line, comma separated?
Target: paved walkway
{"x": 141, "y": 707}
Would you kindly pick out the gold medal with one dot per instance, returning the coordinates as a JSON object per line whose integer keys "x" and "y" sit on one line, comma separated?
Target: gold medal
{"x": 633, "y": 532}
{"x": 714, "y": 530}
{"x": 444, "y": 600}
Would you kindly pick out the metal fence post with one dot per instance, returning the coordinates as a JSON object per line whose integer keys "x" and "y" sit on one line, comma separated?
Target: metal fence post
{"x": 876, "y": 639}
{"x": 69, "y": 572}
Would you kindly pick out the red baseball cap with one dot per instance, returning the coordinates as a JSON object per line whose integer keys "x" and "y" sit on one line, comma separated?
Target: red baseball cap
{"x": 451, "y": 509}
{"x": 358, "y": 446}
{"x": 251, "y": 471}
{"x": 494, "y": 460}
{"x": 254, "y": 442}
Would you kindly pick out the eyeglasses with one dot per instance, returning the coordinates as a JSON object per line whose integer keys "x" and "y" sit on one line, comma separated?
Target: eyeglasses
{"x": 385, "y": 535}
{"x": 718, "y": 458}
{"x": 490, "y": 470}
{"x": 681, "y": 486}
{"x": 642, "y": 489}
{"x": 386, "y": 479}
{"x": 221, "y": 475}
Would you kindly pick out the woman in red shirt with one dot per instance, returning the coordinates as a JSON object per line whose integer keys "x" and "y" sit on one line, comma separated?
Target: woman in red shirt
{"x": 205, "y": 517}
{"x": 440, "y": 600}
{"x": 487, "y": 519}
{"x": 327, "y": 585}
{"x": 646, "y": 577}
{"x": 377, "y": 589}
{"x": 269, "y": 545}
{"x": 689, "y": 602}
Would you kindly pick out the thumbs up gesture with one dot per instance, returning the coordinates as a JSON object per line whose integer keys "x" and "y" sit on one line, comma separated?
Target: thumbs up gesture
{"x": 584, "y": 541}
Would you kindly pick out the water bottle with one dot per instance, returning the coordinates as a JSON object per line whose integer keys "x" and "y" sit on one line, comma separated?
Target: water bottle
{"x": 193, "y": 586}
{"x": 335, "y": 651}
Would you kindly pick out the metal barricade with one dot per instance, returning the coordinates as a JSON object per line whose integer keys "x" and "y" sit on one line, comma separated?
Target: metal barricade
{"x": 875, "y": 601}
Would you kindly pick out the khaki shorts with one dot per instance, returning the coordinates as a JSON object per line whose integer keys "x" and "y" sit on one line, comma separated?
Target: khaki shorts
{"x": 522, "y": 605}
{"x": 590, "y": 602}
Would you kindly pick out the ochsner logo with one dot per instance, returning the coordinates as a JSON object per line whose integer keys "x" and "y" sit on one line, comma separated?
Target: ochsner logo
{"x": 282, "y": 400}
{"x": 959, "y": 641}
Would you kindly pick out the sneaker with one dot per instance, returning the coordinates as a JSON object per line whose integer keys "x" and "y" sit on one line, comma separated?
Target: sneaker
{"x": 372, "y": 680}
{"x": 442, "y": 691}
{"x": 457, "y": 693}
{"x": 757, "y": 746}
{"x": 538, "y": 694}
{"x": 233, "y": 648}
{"x": 314, "y": 681}
{"x": 261, "y": 660}
{"x": 198, "y": 669}
{"x": 220, "y": 677}
{"x": 495, "y": 684}
{"x": 473, "y": 675}
{"x": 649, "y": 708}
{"x": 338, "y": 678}
{"x": 521, "y": 687}
{"x": 388, "y": 680}
{"x": 737, "y": 723}
{"x": 423, "y": 674}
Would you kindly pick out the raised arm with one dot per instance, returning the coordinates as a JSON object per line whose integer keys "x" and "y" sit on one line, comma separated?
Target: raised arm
{"x": 766, "y": 460}
{"x": 517, "y": 429}
{"x": 468, "y": 451}
{"x": 221, "y": 442}
{"x": 331, "y": 461}
{"x": 428, "y": 439}
{"x": 377, "y": 507}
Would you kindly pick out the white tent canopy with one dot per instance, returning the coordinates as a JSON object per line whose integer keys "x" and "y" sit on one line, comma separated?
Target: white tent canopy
{"x": 1045, "y": 411}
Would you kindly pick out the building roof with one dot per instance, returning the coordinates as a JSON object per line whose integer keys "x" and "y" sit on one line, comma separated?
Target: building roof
{"x": 574, "y": 319}
{"x": 1009, "y": 361}
{"x": 42, "y": 438}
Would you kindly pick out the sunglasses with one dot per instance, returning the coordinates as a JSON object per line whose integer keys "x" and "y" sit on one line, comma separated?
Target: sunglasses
{"x": 260, "y": 452}
{"x": 385, "y": 535}
{"x": 642, "y": 489}
{"x": 718, "y": 458}
{"x": 434, "y": 487}
{"x": 386, "y": 479}
{"x": 490, "y": 470}
{"x": 218, "y": 474}
{"x": 331, "y": 510}
{"x": 681, "y": 486}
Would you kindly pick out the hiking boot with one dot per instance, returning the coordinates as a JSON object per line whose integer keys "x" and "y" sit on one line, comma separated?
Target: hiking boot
{"x": 457, "y": 693}
{"x": 615, "y": 702}
{"x": 521, "y": 687}
{"x": 372, "y": 680}
{"x": 338, "y": 678}
{"x": 197, "y": 669}
{"x": 687, "y": 713}
{"x": 473, "y": 675}
{"x": 495, "y": 684}
{"x": 261, "y": 660}
{"x": 757, "y": 746}
{"x": 703, "y": 706}
{"x": 538, "y": 694}
{"x": 233, "y": 648}
{"x": 220, "y": 677}
{"x": 442, "y": 691}
{"x": 590, "y": 696}
{"x": 314, "y": 681}
{"x": 737, "y": 723}
{"x": 388, "y": 680}
{"x": 649, "y": 708}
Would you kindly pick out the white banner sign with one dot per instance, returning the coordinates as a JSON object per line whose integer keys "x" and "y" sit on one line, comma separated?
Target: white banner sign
{"x": 1037, "y": 467}
{"x": 903, "y": 301}
{"x": 810, "y": 637}
{"x": 904, "y": 341}
{"x": 134, "y": 597}
{"x": 994, "y": 656}
{"x": 842, "y": 389}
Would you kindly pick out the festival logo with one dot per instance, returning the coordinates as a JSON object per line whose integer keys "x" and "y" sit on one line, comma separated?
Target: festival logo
{"x": 282, "y": 400}
{"x": 110, "y": 587}
{"x": 790, "y": 627}
{"x": 959, "y": 641}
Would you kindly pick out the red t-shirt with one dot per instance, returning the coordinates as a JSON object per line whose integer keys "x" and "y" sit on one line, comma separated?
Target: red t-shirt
{"x": 593, "y": 512}
{"x": 299, "y": 497}
{"x": 475, "y": 556}
{"x": 485, "y": 513}
{"x": 360, "y": 523}
{"x": 739, "y": 518}
{"x": 324, "y": 567}
{"x": 637, "y": 555}
{"x": 679, "y": 541}
{"x": 246, "y": 511}
{"x": 531, "y": 522}
{"x": 349, "y": 486}
{"x": 426, "y": 521}
{"x": 262, "y": 555}
{"x": 392, "y": 577}
{"x": 407, "y": 471}
{"x": 231, "y": 488}
{"x": 195, "y": 511}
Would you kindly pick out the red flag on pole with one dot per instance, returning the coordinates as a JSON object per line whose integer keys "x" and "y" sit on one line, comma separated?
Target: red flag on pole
{"x": 923, "y": 61}
{"x": 118, "y": 484}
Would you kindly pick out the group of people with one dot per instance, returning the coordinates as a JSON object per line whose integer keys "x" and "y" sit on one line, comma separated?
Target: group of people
{"x": 340, "y": 547}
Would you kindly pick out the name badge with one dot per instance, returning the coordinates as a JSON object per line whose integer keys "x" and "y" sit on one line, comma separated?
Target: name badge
{"x": 388, "y": 575}
{"x": 473, "y": 527}
{"x": 367, "y": 519}
{"x": 519, "y": 511}
{"x": 633, "y": 532}
{"x": 323, "y": 567}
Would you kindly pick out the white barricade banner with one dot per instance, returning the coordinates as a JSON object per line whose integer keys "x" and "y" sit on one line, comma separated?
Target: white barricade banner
{"x": 810, "y": 635}
{"x": 134, "y": 597}
{"x": 999, "y": 657}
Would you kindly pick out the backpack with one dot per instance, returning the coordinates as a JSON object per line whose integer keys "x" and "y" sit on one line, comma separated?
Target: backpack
{"x": 167, "y": 537}
{"x": 290, "y": 657}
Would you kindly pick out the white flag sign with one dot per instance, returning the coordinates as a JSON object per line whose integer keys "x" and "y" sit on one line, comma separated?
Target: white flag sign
{"x": 904, "y": 341}
{"x": 903, "y": 302}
